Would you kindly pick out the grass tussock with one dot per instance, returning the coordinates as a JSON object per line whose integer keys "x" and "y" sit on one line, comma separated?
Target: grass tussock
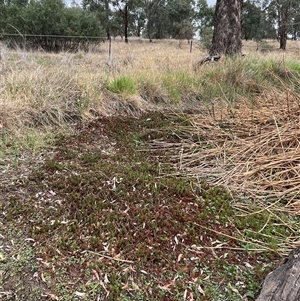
{"x": 122, "y": 85}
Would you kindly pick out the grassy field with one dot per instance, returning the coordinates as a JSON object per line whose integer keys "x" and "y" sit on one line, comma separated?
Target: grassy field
{"x": 141, "y": 175}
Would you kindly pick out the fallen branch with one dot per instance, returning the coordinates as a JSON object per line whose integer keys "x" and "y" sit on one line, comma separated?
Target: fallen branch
{"x": 209, "y": 58}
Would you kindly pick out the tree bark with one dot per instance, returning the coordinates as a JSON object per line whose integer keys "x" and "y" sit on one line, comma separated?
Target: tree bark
{"x": 107, "y": 19}
{"x": 283, "y": 283}
{"x": 227, "y": 36}
{"x": 126, "y": 23}
{"x": 284, "y": 12}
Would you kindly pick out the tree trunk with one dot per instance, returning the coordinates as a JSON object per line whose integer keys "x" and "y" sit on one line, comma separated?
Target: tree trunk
{"x": 227, "y": 36}
{"x": 126, "y": 23}
{"x": 284, "y": 13}
{"x": 149, "y": 25}
{"x": 107, "y": 19}
{"x": 283, "y": 283}
{"x": 283, "y": 39}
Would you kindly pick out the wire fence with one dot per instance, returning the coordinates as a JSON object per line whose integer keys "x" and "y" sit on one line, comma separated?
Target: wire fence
{"x": 52, "y": 43}
{"x": 75, "y": 43}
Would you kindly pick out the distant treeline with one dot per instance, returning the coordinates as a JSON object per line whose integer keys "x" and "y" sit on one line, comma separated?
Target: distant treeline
{"x": 151, "y": 19}
{"x": 51, "y": 43}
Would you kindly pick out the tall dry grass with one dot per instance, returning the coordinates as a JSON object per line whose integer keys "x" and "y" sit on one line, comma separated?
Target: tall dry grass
{"x": 42, "y": 91}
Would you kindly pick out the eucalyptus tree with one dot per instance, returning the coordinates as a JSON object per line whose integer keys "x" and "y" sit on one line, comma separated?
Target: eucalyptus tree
{"x": 158, "y": 24}
{"x": 12, "y": 15}
{"x": 227, "y": 35}
{"x": 203, "y": 16}
{"x": 103, "y": 11}
{"x": 138, "y": 17}
{"x": 295, "y": 26}
{"x": 180, "y": 13}
{"x": 45, "y": 17}
{"x": 3, "y": 15}
{"x": 152, "y": 9}
{"x": 80, "y": 22}
{"x": 283, "y": 12}
{"x": 126, "y": 9}
{"x": 251, "y": 20}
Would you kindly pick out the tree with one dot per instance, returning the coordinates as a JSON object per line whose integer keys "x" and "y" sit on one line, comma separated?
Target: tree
{"x": 159, "y": 21}
{"x": 126, "y": 8}
{"x": 180, "y": 15}
{"x": 80, "y": 22}
{"x": 283, "y": 12}
{"x": 13, "y": 13}
{"x": 45, "y": 17}
{"x": 3, "y": 15}
{"x": 103, "y": 11}
{"x": 251, "y": 20}
{"x": 203, "y": 16}
{"x": 267, "y": 28}
{"x": 295, "y": 27}
{"x": 45, "y": 23}
{"x": 151, "y": 9}
{"x": 138, "y": 20}
{"x": 227, "y": 36}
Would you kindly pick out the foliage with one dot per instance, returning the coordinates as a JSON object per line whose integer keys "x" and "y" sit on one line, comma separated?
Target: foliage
{"x": 103, "y": 209}
{"x": 49, "y": 17}
{"x": 281, "y": 13}
{"x": 104, "y": 221}
{"x": 143, "y": 18}
{"x": 295, "y": 27}
{"x": 206, "y": 38}
{"x": 251, "y": 20}
{"x": 203, "y": 17}
{"x": 103, "y": 11}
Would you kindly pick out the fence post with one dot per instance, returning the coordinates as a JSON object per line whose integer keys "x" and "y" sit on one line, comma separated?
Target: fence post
{"x": 109, "y": 50}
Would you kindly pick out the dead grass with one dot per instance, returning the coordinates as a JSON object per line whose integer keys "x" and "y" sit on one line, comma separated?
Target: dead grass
{"x": 41, "y": 89}
{"x": 251, "y": 147}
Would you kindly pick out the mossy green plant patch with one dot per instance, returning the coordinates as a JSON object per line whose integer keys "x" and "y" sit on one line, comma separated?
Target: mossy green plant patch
{"x": 106, "y": 223}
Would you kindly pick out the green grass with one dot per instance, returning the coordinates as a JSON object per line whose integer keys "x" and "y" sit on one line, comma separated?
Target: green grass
{"x": 122, "y": 85}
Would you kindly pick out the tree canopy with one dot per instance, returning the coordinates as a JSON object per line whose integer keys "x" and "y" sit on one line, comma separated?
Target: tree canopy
{"x": 152, "y": 19}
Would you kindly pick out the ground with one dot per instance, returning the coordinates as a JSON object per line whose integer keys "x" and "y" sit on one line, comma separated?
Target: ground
{"x": 93, "y": 217}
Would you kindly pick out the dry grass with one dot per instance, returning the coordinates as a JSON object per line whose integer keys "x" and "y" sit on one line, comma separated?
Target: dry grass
{"x": 47, "y": 89}
{"x": 41, "y": 88}
{"x": 250, "y": 146}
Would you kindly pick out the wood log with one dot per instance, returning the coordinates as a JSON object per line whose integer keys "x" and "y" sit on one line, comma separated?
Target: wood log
{"x": 283, "y": 284}
{"x": 209, "y": 58}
